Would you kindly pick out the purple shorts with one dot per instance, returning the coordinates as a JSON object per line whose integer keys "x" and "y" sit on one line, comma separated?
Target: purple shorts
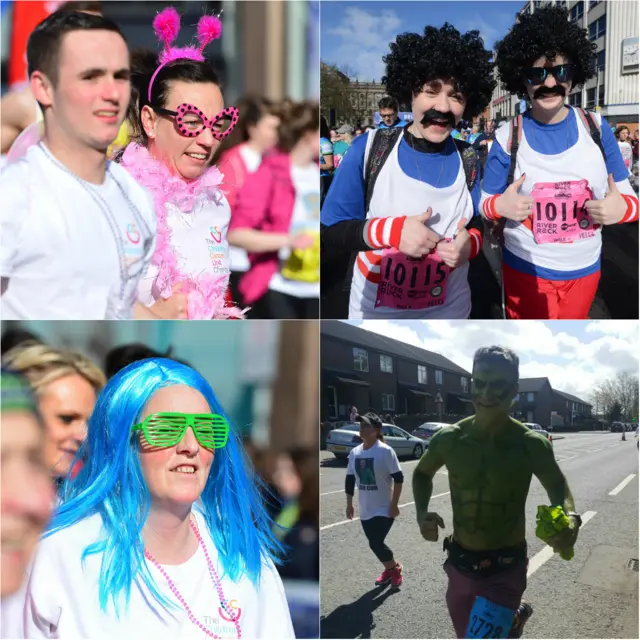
{"x": 504, "y": 588}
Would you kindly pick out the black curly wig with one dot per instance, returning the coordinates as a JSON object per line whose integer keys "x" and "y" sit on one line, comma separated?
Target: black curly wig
{"x": 440, "y": 54}
{"x": 546, "y": 32}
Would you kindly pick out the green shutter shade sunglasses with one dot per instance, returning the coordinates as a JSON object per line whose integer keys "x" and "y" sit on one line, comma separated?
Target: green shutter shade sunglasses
{"x": 167, "y": 429}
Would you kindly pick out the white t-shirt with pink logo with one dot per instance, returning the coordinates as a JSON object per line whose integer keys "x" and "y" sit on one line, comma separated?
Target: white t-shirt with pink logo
{"x": 71, "y": 250}
{"x": 199, "y": 241}
{"x": 62, "y": 596}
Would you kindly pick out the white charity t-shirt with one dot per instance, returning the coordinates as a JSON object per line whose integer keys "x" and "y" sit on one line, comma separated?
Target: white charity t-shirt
{"x": 627, "y": 153}
{"x": 252, "y": 161}
{"x": 306, "y": 218}
{"x": 71, "y": 250}
{"x": 199, "y": 241}
{"x": 62, "y": 596}
{"x": 373, "y": 468}
{"x": 398, "y": 194}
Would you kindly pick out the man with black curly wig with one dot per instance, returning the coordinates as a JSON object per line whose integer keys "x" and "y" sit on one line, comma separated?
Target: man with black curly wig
{"x": 406, "y": 199}
{"x": 556, "y": 175}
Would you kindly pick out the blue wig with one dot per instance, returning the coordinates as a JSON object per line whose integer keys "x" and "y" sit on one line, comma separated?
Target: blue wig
{"x": 111, "y": 484}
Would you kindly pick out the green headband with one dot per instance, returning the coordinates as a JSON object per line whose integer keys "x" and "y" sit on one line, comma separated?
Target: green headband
{"x": 15, "y": 393}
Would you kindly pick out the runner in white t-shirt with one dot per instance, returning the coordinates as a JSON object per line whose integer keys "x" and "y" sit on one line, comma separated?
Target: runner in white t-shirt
{"x": 373, "y": 466}
{"x": 167, "y": 537}
{"x": 622, "y": 135}
{"x": 77, "y": 232}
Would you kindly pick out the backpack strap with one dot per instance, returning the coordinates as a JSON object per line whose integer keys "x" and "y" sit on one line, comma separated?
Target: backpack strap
{"x": 515, "y": 135}
{"x": 589, "y": 121}
{"x": 381, "y": 147}
{"x": 469, "y": 161}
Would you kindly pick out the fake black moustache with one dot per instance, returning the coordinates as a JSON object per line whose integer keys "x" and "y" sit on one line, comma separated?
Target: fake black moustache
{"x": 549, "y": 91}
{"x": 432, "y": 114}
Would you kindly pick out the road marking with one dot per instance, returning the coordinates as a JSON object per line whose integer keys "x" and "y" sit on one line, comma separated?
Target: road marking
{"x": 569, "y": 458}
{"x": 614, "y": 445}
{"x": 545, "y": 554}
{"x": 594, "y": 450}
{"x": 328, "y": 493}
{"x": 406, "y": 504}
{"x": 622, "y": 485}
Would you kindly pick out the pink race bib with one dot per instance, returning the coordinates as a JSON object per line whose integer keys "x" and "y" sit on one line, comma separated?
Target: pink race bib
{"x": 559, "y": 214}
{"x": 412, "y": 283}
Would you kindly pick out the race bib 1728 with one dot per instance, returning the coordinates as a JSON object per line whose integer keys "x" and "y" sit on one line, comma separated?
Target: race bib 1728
{"x": 489, "y": 620}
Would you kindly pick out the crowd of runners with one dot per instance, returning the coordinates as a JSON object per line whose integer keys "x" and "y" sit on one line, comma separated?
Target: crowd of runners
{"x": 411, "y": 227}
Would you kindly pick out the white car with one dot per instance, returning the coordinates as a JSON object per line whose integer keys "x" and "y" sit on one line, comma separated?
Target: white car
{"x": 341, "y": 441}
{"x": 536, "y": 427}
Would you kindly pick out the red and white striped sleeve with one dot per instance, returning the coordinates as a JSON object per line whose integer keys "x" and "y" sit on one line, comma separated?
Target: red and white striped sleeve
{"x": 384, "y": 233}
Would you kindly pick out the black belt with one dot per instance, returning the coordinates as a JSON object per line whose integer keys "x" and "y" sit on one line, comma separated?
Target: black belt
{"x": 481, "y": 564}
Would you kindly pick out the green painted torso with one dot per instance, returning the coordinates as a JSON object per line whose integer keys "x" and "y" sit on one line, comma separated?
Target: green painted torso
{"x": 489, "y": 482}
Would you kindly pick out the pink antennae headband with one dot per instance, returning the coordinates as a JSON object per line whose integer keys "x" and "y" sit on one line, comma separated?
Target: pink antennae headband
{"x": 167, "y": 26}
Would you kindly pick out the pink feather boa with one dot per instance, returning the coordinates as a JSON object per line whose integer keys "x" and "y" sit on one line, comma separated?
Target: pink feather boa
{"x": 206, "y": 293}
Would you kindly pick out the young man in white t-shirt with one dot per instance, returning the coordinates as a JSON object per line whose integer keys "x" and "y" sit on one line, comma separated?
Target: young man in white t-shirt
{"x": 77, "y": 231}
{"x": 380, "y": 479}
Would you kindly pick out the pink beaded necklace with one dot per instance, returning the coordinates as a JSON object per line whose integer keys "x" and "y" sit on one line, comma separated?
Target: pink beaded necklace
{"x": 214, "y": 579}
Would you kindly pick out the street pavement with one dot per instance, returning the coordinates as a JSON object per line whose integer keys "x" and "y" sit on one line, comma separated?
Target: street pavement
{"x": 592, "y": 596}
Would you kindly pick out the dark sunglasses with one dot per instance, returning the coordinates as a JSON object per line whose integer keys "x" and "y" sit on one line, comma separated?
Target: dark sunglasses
{"x": 537, "y": 75}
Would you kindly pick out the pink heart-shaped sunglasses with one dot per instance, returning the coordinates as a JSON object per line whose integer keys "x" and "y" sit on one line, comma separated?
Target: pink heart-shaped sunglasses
{"x": 191, "y": 121}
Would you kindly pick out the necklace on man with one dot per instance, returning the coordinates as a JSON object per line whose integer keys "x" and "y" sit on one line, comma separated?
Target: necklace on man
{"x": 215, "y": 579}
{"x": 108, "y": 215}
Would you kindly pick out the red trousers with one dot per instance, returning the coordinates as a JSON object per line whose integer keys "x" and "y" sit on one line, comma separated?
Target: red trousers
{"x": 530, "y": 298}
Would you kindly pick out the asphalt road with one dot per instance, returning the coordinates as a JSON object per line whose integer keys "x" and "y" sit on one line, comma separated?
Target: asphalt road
{"x": 592, "y": 596}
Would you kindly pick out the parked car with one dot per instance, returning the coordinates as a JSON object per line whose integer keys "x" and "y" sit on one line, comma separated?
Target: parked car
{"x": 536, "y": 427}
{"x": 427, "y": 430}
{"x": 617, "y": 427}
{"x": 341, "y": 441}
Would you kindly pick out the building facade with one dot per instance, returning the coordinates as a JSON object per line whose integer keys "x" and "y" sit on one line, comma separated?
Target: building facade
{"x": 364, "y": 100}
{"x": 537, "y": 401}
{"x": 376, "y": 373}
{"x": 613, "y": 92}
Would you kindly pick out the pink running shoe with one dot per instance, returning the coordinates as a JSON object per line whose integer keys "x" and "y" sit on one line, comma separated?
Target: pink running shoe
{"x": 384, "y": 578}
{"x": 396, "y": 576}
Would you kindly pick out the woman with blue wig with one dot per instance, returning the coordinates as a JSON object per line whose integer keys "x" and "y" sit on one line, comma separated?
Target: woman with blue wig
{"x": 163, "y": 533}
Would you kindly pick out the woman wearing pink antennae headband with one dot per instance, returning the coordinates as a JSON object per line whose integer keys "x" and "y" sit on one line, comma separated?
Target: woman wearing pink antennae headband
{"x": 178, "y": 119}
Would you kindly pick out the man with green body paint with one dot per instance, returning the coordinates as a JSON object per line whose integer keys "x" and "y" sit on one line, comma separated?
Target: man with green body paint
{"x": 490, "y": 458}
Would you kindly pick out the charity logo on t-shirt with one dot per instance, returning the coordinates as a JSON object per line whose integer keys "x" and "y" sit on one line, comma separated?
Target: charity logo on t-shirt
{"x": 366, "y": 475}
{"x": 222, "y": 625}
{"x": 133, "y": 235}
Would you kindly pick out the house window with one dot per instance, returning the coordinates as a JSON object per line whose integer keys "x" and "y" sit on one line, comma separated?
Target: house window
{"x": 422, "y": 374}
{"x": 530, "y": 397}
{"x": 591, "y": 98}
{"x": 601, "y": 95}
{"x": 575, "y": 99}
{"x": 438, "y": 377}
{"x": 464, "y": 383}
{"x": 594, "y": 3}
{"x": 600, "y": 60}
{"x": 598, "y": 28}
{"x": 360, "y": 359}
{"x": 517, "y": 398}
{"x": 386, "y": 364}
{"x": 332, "y": 399}
{"x": 388, "y": 402}
{"x": 577, "y": 12}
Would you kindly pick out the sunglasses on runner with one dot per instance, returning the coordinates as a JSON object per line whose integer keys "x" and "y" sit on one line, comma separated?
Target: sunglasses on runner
{"x": 537, "y": 75}
{"x": 167, "y": 429}
{"x": 191, "y": 122}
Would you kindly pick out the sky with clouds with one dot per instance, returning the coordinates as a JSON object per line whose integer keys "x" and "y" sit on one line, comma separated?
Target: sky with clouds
{"x": 574, "y": 355}
{"x": 355, "y": 35}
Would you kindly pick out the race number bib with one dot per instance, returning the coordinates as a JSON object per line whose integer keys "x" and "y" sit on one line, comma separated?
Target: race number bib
{"x": 303, "y": 265}
{"x": 489, "y": 620}
{"x": 559, "y": 214}
{"x": 412, "y": 283}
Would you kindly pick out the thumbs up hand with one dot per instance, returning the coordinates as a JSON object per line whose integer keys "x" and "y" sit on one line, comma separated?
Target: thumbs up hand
{"x": 512, "y": 205}
{"x": 609, "y": 210}
{"x": 456, "y": 252}
{"x": 417, "y": 239}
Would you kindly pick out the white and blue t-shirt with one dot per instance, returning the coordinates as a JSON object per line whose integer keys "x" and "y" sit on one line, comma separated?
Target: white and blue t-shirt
{"x": 558, "y": 152}
{"x": 326, "y": 149}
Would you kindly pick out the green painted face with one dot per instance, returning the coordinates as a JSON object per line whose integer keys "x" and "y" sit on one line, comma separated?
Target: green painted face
{"x": 494, "y": 387}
